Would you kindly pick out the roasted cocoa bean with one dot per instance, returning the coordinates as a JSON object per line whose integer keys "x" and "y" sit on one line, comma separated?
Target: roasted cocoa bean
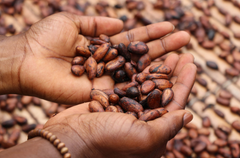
{"x": 20, "y": 119}
{"x": 141, "y": 77}
{"x": 212, "y": 65}
{"x": 77, "y": 70}
{"x": 160, "y": 68}
{"x": 8, "y": 123}
{"x": 143, "y": 62}
{"x": 91, "y": 68}
{"x": 147, "y": 86}
{"x": 120, "y": 76}
{"x": 206, "y": 122}
{"x": 111, "y": 108}
{"x": 236, "y": 125}
{"x": 132, "y": 92}
{"x": 101, "y": 52}
{"x": 104, "y": 38}
{"x": 115, "y": 64}
{"x": 95, "y": 106}
{"x": 113, "y": 98}
{"x": 97, "y": 41}
{"x": 28, "y": 128}
{"x": 83, "y": 51}
{"x": 154, "y": 99}
{"x": 162, "y": 83}
{"x": 122, "y": 50}
{"x": 110, "y": 55}
{"x": 130, "y": 105}
{"x": 101, "y": 97}
{"x": 138, "y": 47}
{"x": 131, "y": 84}
{"x": 167, "y": 96}
{"x": 157, "y": 76}
{"x": 78, "y": 60}
{"x": 130, "y": 70}
{"x": 100, "y": 69}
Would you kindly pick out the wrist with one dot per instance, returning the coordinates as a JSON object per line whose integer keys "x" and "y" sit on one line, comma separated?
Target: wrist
{"x": 12, "y": 54}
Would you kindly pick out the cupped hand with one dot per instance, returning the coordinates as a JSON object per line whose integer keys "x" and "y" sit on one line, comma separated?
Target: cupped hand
{"x": 51, "y": 45}
{"x": 109, "y": 134}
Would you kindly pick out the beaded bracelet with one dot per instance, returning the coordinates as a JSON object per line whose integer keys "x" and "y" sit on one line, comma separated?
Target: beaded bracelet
{"x": 52, "y": 138}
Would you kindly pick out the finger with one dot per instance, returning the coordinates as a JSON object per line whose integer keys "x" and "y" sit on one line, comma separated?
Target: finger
{"x": 169, "y": 43}
{"x": 182, "y": 87}
{"x": 145, "y": 33}
{"x": 94, "y": 26}
{"x": 184, "y": 59}
{"x": 171, "y": 61}
{"x": 167, "y": 126}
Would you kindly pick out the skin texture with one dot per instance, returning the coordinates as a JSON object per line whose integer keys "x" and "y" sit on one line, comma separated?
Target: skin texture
{"x": 40, "y": 65}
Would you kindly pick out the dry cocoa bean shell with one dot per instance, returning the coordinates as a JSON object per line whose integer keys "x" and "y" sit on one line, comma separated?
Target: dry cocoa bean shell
{"x": 212, "y": 148}
{"x": 92, "y": 48}
{"x": 147, "y": 86}
{"x": 120, "y": 76}
{"x": 212, "y": 65}
{"x": 28, "y": 128}
{"x": 120, "y": 92}
{"x": 167, "y": 96}
{"x": 77, "y": 70}
{"x": 151, "y": 115}
{"x": 143, "y": 62}
{"x": 111, "y": 108}
{"x": 130, "y": 105}
{"x": 219, "y": 113}
{"x": 101, "y": 52}
{"x": 225, "y": 94}
{"x": 101, "y": 97}
{"x": 220, "y": 134}
{"x": 113, "y": 98}
{"x": 132, "y": 92}
{"x": 138, "y": 47}
{"x": 78, "y": 60}
{"x": 8, "y": 123}
{"x": 14, "y": 136}
{"x": 100, "y": 69}
{"x": 132, "y": 113}
{"x": 206, "y": 122}
{"x": 83, "y": 51}
{"x": 91, "y": 68}
{"x": 157, "y": 76}
{"x": 187, "y": 151}
{"x": 232, "y": 72}
{"x": 110, "y": 55}
{"x": 200, "y": 147}
{"x": 104, "y": 38}
{"x": 95, "y": 106}
{"x": 97, "y": 41}
{"x": 160, "y": 68}
{"x": 122, "y": 50}
{"x": 235, "y": 149}
{"x": 115, "y": 64}
{"x": 119, "y": 109}
{"x": 162, "y": 83}
{"x": 236, "y": 125}
{"x": 131, "y": 84}
{"x": 20, "y": 119}
{"x": 220, "y": 142}
{"x": 223, "y": 101}
{"x": 130, "y": 70}
{"x": 141, "y": 77}
{"x": 154, "y": 99}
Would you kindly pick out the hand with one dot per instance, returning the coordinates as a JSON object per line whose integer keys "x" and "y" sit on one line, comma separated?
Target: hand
{"x": 45, "y": 69}
{"x": 108, "y": 134}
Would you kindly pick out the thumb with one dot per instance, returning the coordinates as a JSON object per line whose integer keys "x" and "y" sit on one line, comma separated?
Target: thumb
{"x": 167, "y": 126}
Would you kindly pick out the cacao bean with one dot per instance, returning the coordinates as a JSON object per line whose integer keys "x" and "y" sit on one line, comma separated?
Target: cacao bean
{"x": 110, "y": 55}
{"x": 95, "y": 106}
{"x": 113, "y": 98}
{"x": 91, "y": 68}
{"x": 236, "y": 125}
{"x": 154, "y": 99}
{"x": 138, "y": 47}
{"x": 147, "y": 86}
{"x": 157, "y": 76}
{"x": 111, "y": 108}
{"x": 130, "y": 70}
{"x": 160, "y": 68}
{"x": 141, "y": 77}
{"x": 132, "y": 92}
{"x": 143, "y": 62}
{"x": 83, "y": 51}
{"x": 101, "y": 52}
{"x": 77, "y": 70}
{"x": 130, "y": 105}
{"x": 100, "y": 69}
{"x": 78, "y": 60}
{"x": 115, "y": 64}
{"x": 212, "y": 65}
{"x": 122, "y": 50}
{"x": 167, "y": 96}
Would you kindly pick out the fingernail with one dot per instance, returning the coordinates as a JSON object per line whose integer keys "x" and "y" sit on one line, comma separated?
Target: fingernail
{"x": 187, "y": 118}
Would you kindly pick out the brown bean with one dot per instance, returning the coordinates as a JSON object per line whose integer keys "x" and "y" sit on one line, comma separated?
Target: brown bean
{"x": 143, "y": 62}
{"x": 225, "y": 129}
{"x": 91, "y": 68}
{"x": 167, "y": 96}
{"x": 151, "y": 115}
{"x": 220, "y": 134}
{"x": 25, "y": 100}
{"x": 119, "y": 109}
{"x": 154, "y": 99}
{"x": 157, "y": 76}
{"x": 14, "y": 136}
{"x": 110, "y": 55}
{"x": 120, "y": 76}
{"x": 232, "y": 72}
{"x": 228, "y": 19}
{"x": 236, "y": 55}
{"x": 92, "y": 48}
{"x": 27, "y": 128}
{"x": 187, "y": 151}
{"x": 236, "y": 125}
{"x": 97, "y": 41}
{"x": 131, "y": 84}
{"x": 203, "y": 131}
{"x": 78, "y": 60}
{"x": 100, "y": 69}
{"x": 206, "y": 122}
{"x": 120, "y": 92}
{"x": 201, "y": 81}
{"x": 20, "y": 119}
{"x": 208, "y": 44}
{"x": 101, "y": 97}
{"x": 225, "y": 152}
{"x": 141, "y": 77}
{"x": 101, "y": 52}
{"x": 225, "y": 94}
{"x": 147, "y": 86}
{"x": 212, "y": 65}
{"x": 138, "y": 47}
{"x": 160, "y": 68}
{"x": 181, "y": 135}
{"x": 235, "y": 109}
{"x": 104, "y": 38}
{"x": 163, "y": 84}
{"x": 177, "y": 154}
{"x": 8, "y": 123}
{"x": 77, "y": 70}
{"x": 132, "y": 92}
{"x": 235, "y": 150}
{"x": 114, "y": 98}
{"x": 95, "y": 106}
{"x": 111, "y": 108}
{"x": 122, "y": 50}
{"x": 220, "y": 142}
{"x": 192, "y": 133}
{"x": 219, "y": 113}
{"x": 115, "y": 64}
{"x": 130, "y": 70}
{"x": 200, "y": 147}
{"x": 222, "y": 101}
{"x": 83, "y": 51}
{"x": 130, "y": 105}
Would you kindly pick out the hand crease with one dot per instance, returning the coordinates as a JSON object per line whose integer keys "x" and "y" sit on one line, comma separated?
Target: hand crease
{"x": 163, "y": 44}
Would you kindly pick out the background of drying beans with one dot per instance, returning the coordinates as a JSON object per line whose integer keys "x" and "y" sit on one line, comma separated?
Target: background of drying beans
{"x": 214, "y": 26}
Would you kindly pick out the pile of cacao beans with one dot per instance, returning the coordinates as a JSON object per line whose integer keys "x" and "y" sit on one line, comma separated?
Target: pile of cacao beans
{"x": 214, "y": 99}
